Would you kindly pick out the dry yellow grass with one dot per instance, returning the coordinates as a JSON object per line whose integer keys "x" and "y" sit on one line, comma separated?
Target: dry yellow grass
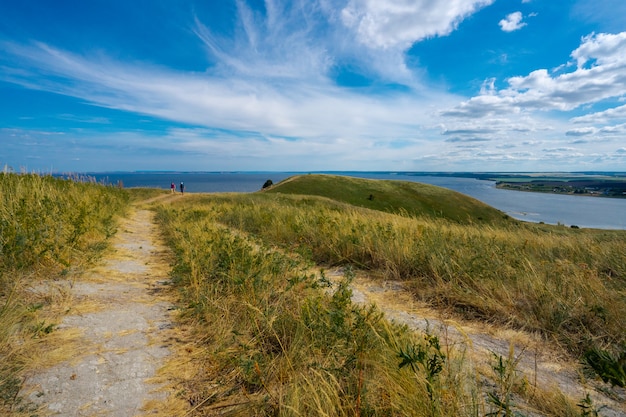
{"x": 266, "y": 331}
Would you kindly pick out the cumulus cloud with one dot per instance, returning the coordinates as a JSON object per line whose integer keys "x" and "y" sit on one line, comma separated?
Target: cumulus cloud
{"x": 584, "y": 131}
{"x": 512, "y": 22}
{"x": 602, "y": 116}
{"x": 400, "y": 23}
{"x": 620, "y": 129}
{"x": 600, "y": 74}
{"x": 601, "y": 49}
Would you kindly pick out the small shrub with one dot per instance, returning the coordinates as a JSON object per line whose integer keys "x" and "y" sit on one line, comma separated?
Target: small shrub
{"x": 429, "y": 359}
{"x": 610, "y": 367}
{"x": 506, "y": 379}
{"x": 587, "y": 407}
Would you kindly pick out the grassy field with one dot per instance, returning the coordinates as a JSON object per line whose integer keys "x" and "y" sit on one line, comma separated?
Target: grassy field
{"x": 277, "y": 344}
{"x": 48, "y": 228}
{"x": 267, "y": 335}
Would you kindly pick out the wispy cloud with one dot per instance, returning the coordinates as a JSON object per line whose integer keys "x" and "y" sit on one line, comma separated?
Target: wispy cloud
{"x": 297, "y": 109}
{"x": 607, "y": 12}
{"x": 273, "y": 77}
{"x": 289, "y": 42}
{"x": 269, "y": 92}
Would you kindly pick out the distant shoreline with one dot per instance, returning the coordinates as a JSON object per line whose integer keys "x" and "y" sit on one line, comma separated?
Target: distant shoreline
{"x": 592, "y": 187}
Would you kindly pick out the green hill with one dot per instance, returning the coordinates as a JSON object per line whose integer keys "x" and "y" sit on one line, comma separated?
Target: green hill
{"x": 414, "y": 198}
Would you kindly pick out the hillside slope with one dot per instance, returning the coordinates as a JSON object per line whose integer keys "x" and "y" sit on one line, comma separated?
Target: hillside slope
{"x": 414, "y": 198}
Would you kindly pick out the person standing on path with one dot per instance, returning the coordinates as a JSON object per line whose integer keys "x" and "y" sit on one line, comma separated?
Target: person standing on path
{"x": 182, "y": 188}
{"x": 173, "y": 187}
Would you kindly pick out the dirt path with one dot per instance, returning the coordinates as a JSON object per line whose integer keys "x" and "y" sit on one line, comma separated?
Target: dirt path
{"x": 537, "y": 363}
{"x": 121, "y": 311}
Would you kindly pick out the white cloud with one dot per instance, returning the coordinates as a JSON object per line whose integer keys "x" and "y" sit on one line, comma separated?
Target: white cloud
{"x": 600, "y": 74}
{"x": 611, "y": 130}
{"x": 261, "y": 105}
{"x": 512, "y": 22}
{"x": 302, "y": 40}
{"x": 600, "y": 50}
{"x": 289, "y": 109}
{"x": 400, "y": 23}
{"x": 583, "y": 131}
{"x": 603, "y": 116}
{"x": 277, "y": 45}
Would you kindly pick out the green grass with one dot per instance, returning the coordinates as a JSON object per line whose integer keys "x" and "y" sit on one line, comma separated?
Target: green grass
{"x": 48, "y": 227}
{"x": 567, "y": 284}
{"x": 412, "y": 198}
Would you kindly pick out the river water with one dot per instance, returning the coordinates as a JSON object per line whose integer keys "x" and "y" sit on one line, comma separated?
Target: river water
{"x": 582, "y": 211}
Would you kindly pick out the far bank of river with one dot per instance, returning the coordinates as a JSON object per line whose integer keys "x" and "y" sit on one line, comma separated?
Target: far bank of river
{"x": 582, "y": 211}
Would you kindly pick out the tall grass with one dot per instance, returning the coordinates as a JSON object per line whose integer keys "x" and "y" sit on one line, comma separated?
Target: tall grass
{"x": 291, "y": 349}
{"x": 46, "y": 221}
{"x": 47, "y": 227}
{"x": 278, "y": 344}
{"x": 569, "y": 285}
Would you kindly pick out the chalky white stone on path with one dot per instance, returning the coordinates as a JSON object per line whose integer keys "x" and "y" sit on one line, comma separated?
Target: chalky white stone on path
{"x": 122, "y": 343}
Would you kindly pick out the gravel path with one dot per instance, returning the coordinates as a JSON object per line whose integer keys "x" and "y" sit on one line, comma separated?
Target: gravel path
{"x": 121, "y": 310}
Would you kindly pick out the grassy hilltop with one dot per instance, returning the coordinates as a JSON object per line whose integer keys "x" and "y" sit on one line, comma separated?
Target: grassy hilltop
{"x": 412, "y": 198}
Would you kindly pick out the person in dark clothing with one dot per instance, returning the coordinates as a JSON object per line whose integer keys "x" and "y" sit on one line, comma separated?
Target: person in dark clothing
{"x": 182, "y": 188}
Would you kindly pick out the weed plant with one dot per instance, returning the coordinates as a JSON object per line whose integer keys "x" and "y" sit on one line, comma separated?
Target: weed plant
{"x": 47, "y": 227}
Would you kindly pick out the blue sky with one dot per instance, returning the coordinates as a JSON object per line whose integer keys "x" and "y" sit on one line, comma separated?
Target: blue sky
{"x": 307, "y": 85}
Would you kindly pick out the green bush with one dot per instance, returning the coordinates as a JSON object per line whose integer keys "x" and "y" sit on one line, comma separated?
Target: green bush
{"x": 611, "y": 367}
